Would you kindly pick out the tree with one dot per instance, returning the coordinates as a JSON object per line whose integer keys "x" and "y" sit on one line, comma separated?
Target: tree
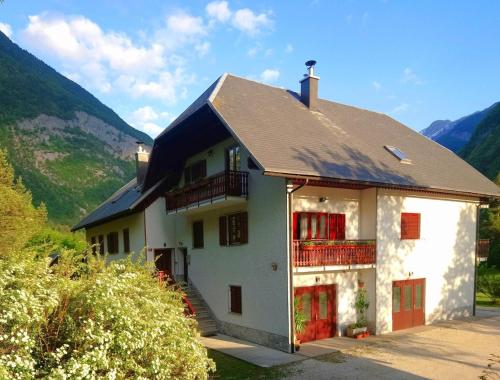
{"x": 19, "y": 219}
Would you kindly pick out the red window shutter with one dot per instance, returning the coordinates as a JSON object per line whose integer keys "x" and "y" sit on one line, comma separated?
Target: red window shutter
{"x": 332, "y": 226}
{"x": 295, "y": 227}
{"x": 244, "y": 227}
{"x": 223, "y": 230}
{"x": 340, "y": 226}
{"x": 410, "y": 225}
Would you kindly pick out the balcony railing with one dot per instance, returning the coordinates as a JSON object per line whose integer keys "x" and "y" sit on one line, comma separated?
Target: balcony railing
{"x": 483, "y": 248}
{"x": 220, "y": 185}
{"x": 326, "y": 253}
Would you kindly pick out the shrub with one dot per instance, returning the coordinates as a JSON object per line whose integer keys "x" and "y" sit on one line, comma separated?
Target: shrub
{"x": 87, "y": 320}
{"x": 488, "y": 282}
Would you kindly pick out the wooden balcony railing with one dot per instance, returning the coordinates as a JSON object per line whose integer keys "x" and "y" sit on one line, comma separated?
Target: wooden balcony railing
{"x": 346, "y": 252}
{"x": 483, "y": 248}
{"x": 224, "y": 184}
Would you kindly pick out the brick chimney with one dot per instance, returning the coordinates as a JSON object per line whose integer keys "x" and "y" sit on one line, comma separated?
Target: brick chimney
{"x": 309, "y": 87}
{"x": 141, "y": 162}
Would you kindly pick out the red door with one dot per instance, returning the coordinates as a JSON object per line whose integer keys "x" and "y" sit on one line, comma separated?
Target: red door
{"x": 318, "y": 304}
{"x": 408, "y": 301}
{"x": 163, "y": 261}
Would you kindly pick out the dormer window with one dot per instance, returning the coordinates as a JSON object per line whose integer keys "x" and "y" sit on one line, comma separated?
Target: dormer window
{"x": 398, "y": 153}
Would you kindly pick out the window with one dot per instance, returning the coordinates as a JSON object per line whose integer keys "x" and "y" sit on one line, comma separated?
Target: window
{"x": 100, "y": 239}
{"x": 410, "y": 225}
{"x": 126, "y": 240}
{"x": 93, "y": 244}
{"x": 233, "y": 159}
{"x": 113, "y": 242}
{"x": 396, "y": 299}
{"x": 198, "y": 234}
{"x": 233, "y": 229}
{"x": 195, "y": 172}
{"x": 235, "y": 299}
{"x": 316, "y": 225}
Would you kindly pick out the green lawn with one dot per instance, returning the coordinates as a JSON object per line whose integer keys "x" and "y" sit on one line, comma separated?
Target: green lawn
{"x": 232, "y": 368}
{"x": 483, "y": 300}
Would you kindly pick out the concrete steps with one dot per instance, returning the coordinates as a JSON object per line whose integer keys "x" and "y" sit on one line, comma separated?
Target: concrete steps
{"x": 206, "y": 323}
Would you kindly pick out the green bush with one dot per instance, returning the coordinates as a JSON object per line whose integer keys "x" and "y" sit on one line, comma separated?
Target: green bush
{"x": 83, "y": 318}
{"x": 488, "y": 282}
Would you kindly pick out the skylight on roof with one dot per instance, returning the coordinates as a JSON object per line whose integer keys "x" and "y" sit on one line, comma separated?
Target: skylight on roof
{"x": 398, "y": 153}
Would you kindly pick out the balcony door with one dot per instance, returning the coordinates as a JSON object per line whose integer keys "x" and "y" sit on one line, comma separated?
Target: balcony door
{"x": 408, "y": 303}
{"x": 318, "y": 305}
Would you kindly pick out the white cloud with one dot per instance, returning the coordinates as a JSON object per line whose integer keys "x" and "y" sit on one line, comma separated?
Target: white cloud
{"x": 147, "y": 120}
{"x": 409, "y": 76}
{"x": 185, "y": 25}
{"x": 270, "y": 75}
{"x": 6, "y": 29}
{"x": 376, "y": 85}
{"x": 403, "y": 107}
{"x": 289, "y": 48}
{"x": 218, "y": 10}
{"x": 252, "y": 52}
{"x": 203, "y": 48}
{"x": 251, "y": 23}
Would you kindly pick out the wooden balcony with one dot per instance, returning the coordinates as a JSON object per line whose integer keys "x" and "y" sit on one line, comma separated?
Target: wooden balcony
{"x": 329, "y": 253}
{"x": 483, "y": 248}
{"x": 209, "y": 190}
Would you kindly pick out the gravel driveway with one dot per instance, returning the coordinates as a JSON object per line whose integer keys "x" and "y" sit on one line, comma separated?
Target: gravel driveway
{"x": 462, "y": 349}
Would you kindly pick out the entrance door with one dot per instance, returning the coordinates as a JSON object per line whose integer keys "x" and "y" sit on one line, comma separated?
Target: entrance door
{"x": 408, "y": 302}
{"x": 318, "y": 305}
{"x": 163, "y": 261}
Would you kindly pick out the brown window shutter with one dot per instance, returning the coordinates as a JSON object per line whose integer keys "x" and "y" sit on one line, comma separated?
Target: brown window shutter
{"x": 223, "y": 230}
{"x": 235, "y": 295}
{"x": 244, "y": 227}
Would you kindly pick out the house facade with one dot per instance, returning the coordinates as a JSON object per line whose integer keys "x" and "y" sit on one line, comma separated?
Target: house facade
{"x": 256, "y": 196}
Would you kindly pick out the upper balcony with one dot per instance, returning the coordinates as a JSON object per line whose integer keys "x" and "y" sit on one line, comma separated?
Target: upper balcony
{"x": 229, "y": 186}
{"x": 336, "y": 254}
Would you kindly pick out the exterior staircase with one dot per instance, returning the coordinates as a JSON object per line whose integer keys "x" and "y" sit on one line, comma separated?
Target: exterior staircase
{"x": 206, "y": 323}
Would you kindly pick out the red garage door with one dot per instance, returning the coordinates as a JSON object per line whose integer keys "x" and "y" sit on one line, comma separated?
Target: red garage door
{"x": 408, "y": 303}
{"x": 318, "y": 304}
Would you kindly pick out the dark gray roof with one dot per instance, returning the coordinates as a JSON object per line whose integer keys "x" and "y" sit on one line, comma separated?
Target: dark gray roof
{"x": 119, "y": 204}
{"x": 337, "y": 141}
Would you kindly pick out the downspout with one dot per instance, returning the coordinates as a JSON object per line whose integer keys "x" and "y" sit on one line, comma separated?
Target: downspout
{"x": 289, "y": 195}
{"x": 478, "y": 213}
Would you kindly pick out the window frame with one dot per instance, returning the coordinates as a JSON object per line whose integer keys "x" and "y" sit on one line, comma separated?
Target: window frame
{"x": 237, "y": 163}
{"x": 191, "y": 169}
{"x": 93, "y": 242}
{"x": 410, "y": 227}
{"x": 113, "y": 244}
{"x": 334, "y": 228}
{"x": 201, "y": 243}
{"x": 100, "y": 241}
{"x": 126, "y": 240}
{"x": 236, "y": 292}
{"x": 226, "y": 237}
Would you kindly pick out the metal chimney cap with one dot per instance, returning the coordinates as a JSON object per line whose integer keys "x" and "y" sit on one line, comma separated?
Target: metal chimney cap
{"x": 310, "y": 63}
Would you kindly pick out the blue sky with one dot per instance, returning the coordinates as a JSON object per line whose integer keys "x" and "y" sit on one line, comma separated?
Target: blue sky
{"x": 417, "y": 61}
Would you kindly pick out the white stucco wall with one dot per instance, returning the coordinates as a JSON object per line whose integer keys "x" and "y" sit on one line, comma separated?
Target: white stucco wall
{"x": 214, "y": 268}
{"x": 342, "y": 201}
{"x": 160, "y": 227}
{"x": 135, "y": 224}
{"x": 444, "y": 254}
{"x": 368, "y": 214}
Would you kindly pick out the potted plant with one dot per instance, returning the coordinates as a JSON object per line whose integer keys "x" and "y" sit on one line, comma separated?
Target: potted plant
{"x": 360, "y": 328}
{"x": 300, "y": 323}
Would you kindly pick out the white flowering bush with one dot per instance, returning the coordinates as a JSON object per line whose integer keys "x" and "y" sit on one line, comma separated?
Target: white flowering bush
{"x": 89, "y": 320}
{"x": 81, "y": 318}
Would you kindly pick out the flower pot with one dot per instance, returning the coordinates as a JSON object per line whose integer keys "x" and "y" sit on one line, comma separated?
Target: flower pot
{"x": 353, "y": 331}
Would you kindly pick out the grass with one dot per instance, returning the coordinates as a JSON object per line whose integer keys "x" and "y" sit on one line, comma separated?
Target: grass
{"x": 229, "y": 368}
{"x": 483, "y": 300}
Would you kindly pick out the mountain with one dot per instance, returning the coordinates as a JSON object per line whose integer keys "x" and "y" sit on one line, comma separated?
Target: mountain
{"x": 475, "y": 138}
{"x": 71, "y": 150}
{"x": 454, "y": 135}
{"x": 483, "y": 149}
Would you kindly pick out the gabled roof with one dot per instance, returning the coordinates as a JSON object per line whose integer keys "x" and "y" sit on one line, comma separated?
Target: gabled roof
{"x": 286, "y": 138}
{"x": 337, "y": 141}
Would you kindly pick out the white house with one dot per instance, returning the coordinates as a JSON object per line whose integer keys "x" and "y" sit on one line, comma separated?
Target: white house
{"x": 257, "y": 195}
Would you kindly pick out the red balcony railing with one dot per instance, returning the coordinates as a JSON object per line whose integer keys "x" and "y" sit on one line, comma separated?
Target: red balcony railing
{"x": 224, "y": 184}
{"x": 483, "y": 248}
{"x": 346, "y": 252}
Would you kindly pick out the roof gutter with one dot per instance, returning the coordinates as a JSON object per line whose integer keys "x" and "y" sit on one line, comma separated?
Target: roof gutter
{"x": 484, "y": 197}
